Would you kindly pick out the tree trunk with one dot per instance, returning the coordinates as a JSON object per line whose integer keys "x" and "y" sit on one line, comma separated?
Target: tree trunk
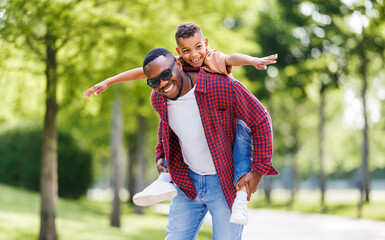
{"x": 294, "y": 168}
{"x": 141, "y": 176}
{"x": 116, "y": 148}
{"x": 321, "y": 132}
{"x": 365, "y": 147}
{"x": 48, "y": 179}
{"x": 268, "y": 181}
{"x": 130, "y": 170}
{"x": 267, "y": 187}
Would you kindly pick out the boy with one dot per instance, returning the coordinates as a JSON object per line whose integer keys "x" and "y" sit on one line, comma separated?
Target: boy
{"x": 193, "y": 50}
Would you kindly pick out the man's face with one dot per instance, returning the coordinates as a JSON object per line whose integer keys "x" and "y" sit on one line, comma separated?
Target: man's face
{"x": 193, "y": 49}
{"x": 170, "y": 88}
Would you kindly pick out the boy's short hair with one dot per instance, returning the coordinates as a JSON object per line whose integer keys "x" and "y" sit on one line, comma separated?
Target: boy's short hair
{"x": 155, "y": 53}
{"x": 186, "y": 30}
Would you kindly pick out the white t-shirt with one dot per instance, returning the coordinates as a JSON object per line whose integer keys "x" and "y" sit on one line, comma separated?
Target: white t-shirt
{"x": 185, "y": 120}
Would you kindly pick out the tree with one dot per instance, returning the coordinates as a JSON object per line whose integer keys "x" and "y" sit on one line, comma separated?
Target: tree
{"x": 116, "y": 149}
{"x": 34, "y": 23}
{"x": 44, "y": 28}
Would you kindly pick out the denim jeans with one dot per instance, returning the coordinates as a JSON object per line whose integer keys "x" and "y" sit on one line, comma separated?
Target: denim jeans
{"x": 242, "y": 152}
{"x": 186, "y": 215}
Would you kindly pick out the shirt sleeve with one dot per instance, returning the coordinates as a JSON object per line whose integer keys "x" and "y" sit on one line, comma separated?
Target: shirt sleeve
{"x": 254, "y": 114}
{"x": 215, "y": 62}
{"x": 159, "y": 152}
{"x": 156, "y": 104}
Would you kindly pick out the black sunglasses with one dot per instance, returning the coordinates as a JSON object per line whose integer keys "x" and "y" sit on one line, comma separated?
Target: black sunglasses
{"x": 165, "y": 75}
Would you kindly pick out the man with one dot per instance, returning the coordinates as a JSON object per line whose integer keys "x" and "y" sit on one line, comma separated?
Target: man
{"x": 198, "y": 114}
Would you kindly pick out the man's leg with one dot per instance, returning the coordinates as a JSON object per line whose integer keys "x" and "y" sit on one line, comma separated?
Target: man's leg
{"x": 223, "y": 229}
{"x": 185, "y": 217}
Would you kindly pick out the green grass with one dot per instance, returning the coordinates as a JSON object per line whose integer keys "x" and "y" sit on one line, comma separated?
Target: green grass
{"x": 342, "y": 202}
{"x": 78, "y": 220}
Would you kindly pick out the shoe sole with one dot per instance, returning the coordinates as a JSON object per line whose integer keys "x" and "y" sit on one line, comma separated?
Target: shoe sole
{"x": 244, "y": 223}
{"x": 149, "y": 200}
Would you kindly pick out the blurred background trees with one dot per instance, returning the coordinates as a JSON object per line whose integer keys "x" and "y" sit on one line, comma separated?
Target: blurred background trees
{"x": 325, "y": 94}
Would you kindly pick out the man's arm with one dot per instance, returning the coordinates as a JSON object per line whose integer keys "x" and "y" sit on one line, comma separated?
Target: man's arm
{"x": 130, "y": 75}
{"x": 237, "y": 59}
{"x": 254, "y": 114}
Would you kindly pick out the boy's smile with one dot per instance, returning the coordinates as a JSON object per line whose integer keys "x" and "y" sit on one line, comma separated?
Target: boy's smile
{"x": 193, "y": 49}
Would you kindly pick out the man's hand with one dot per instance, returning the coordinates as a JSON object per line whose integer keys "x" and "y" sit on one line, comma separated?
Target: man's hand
{"x": 251, "y": 181}
{"x": 159, "y": 166}
{"x": 260, "y": 63}
{"x": 98, "y": 88}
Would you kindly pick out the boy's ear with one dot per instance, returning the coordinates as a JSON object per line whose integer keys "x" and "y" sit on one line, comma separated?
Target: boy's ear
{"x": 178, "y": 51}
{"x": 207, "y": 43}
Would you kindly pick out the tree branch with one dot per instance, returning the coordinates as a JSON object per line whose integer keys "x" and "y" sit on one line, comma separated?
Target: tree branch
{"x": 34, "y": 48}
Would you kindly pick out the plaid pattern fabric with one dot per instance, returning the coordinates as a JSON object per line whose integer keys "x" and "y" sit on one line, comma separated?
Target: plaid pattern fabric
{"x": 221, "y": 101}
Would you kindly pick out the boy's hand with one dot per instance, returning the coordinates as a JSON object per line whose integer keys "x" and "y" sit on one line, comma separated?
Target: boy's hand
{"x": 98, "y": 88}
{"x": 260, "y": 63}
{"x": 159, "y": 165}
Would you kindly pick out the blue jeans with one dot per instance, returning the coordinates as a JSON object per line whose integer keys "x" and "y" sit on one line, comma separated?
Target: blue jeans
{"x": 242, "y": 151}
{"x": 186, "y": 215}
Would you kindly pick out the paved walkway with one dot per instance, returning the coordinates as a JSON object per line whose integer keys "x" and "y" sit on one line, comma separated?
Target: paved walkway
{"x": 284, "y": 225}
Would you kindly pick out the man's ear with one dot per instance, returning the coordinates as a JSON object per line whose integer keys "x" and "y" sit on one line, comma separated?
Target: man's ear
{"x": 178, "y": 51}
{"x": 179, "y": 64}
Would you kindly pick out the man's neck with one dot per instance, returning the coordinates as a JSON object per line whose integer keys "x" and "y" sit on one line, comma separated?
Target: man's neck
{"x": 194, "y": 77}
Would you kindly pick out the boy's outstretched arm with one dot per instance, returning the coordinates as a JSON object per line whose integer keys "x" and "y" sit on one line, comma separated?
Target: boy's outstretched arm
{"x": 237, "y": 59}
{"x": 130, "y": 75}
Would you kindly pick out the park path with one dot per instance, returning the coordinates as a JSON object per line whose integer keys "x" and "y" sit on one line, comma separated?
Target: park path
{"x": 286, "y": 225}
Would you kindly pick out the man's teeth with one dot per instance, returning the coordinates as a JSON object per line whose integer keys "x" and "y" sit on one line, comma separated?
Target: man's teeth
{"x": 169, "y": 88}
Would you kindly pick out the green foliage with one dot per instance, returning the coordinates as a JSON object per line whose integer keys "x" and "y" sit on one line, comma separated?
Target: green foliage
{"x": 79, "y": 219}
{"x": 97, "y": 39}
{"x": 341, "y": 202}
{"x": 20, "y": 161}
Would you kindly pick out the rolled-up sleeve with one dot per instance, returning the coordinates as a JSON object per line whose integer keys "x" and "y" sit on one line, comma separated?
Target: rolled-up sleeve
{"x": 254, "y": 114}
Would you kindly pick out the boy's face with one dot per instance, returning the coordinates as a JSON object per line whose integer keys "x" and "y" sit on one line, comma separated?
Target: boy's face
{"x": 193, "y": 49}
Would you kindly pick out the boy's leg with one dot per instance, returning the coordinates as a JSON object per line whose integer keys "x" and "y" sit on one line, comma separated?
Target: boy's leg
{"x": 160, "y": 190}
{"x": 242, "y": 152}
{"x": 242, "y": 155}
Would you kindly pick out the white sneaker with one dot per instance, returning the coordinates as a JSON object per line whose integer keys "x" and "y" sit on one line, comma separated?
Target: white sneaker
{"x": 158, "y": 191}
{"x": 239, "y": 213}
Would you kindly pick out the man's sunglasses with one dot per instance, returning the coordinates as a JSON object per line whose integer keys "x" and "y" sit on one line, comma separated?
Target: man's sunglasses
{"x": 165, "y": 75}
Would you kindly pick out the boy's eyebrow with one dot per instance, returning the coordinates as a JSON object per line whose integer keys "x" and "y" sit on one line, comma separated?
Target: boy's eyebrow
{"x": 195, "y": 45}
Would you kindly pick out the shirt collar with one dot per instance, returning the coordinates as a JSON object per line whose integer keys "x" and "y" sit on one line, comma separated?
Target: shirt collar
{"x": 202, "y": 77}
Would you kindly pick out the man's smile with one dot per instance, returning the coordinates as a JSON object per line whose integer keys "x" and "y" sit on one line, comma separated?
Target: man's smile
{"x": 169, "y": 88}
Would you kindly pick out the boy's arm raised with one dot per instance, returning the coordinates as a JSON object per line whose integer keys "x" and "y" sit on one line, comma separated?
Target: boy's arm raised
{"x": 130, "y": 75}
{"x": 237, "y": 59}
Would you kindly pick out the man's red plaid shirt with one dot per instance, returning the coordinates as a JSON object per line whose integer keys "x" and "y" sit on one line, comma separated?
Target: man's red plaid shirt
{"x": 221, "y": 101}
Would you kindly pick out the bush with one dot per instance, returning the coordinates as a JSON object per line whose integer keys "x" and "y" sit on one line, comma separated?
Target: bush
{"x": 20, "y": 162}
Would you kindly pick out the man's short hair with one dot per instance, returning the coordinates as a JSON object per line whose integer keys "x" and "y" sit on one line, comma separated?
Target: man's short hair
{"x": 186, "y": 30}
{"x": 155, "y": 53}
